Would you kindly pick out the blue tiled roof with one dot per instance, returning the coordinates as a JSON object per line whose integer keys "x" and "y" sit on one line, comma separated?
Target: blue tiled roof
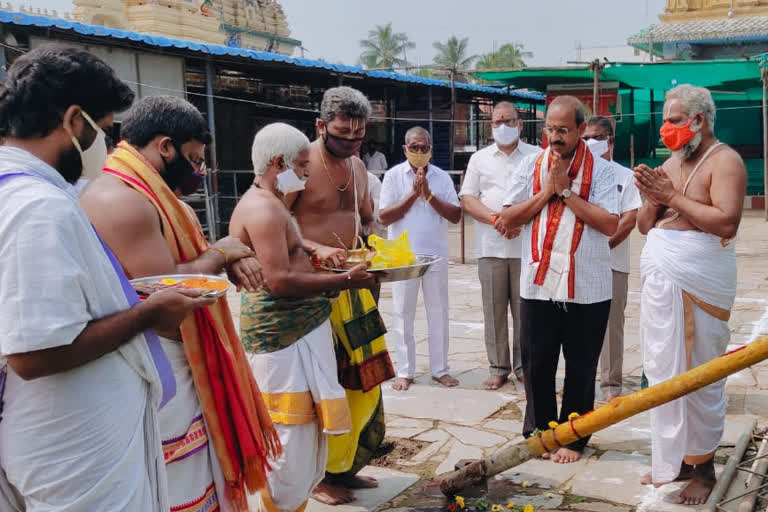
{"x": 22, "y": 19}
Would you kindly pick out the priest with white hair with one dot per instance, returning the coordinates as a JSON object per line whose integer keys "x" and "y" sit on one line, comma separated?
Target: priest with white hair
{"x": 284, "y": 327}
{"x": 692, "y": 211}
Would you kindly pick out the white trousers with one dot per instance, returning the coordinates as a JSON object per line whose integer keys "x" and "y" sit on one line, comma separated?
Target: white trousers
{"x": 405, "y": 295}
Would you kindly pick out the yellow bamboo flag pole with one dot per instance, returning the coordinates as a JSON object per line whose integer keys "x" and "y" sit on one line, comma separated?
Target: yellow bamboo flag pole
{"x": 617, "y": 410}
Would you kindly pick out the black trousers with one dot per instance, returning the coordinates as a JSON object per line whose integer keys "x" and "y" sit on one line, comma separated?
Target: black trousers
{"x": 547, "y": 326}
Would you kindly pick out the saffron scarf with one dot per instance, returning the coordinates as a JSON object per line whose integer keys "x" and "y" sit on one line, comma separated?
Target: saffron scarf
{"x": 237, "y": 418}
{"x": 556, "y": 230}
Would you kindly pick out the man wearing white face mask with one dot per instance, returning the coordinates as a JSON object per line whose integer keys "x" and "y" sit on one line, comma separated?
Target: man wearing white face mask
{"x": 285, "y": 327}
{"x": 420, "y": 198}
{"x": 600, "y": 140}
{"x": 485, "y": 186}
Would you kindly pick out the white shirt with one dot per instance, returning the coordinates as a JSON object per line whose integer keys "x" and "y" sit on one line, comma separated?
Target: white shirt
{"x": 489, "y": 178}
{"x": 374, "y": 189}
{"x": 75, "y": 438}
{"x": 427, "y": 229}
{"x": 628, "y": 200}
{"x": 375, "y": 162}
{"x": 593, "y": 279}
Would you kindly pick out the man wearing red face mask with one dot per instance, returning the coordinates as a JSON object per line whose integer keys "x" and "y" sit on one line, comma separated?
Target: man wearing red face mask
{"x": 333, "y": 211}
{"x": 692, "y": 211}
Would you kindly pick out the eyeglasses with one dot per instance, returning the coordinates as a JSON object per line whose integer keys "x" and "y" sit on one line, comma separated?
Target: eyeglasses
{"x": 560, "y": 130}
{"x": 419, "y": 149}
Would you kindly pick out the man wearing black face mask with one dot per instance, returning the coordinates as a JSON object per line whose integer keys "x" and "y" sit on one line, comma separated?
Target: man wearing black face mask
{"x": 332, "y": 211}
{"x": 81, "y": 373}
{"x": 154, "y": 233}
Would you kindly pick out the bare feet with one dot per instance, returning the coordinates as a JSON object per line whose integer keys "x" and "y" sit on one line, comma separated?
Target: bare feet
{"x": 702, "y": 482}
{"x": 331, "y": 494}
{"x": 566, "y": 456}
{"x": 357, "y": 482}
{"x": 402, "y": 384}
{"x": 686, "y": 473}
{"x": 446, "y": 381}
{"x": 545, "y": 455}
{"x": 494, "y": 382}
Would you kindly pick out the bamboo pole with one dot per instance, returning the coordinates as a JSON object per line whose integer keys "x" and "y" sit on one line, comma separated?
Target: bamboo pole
{"x": 721, "y": 487}
{"x": 611, "y": 413}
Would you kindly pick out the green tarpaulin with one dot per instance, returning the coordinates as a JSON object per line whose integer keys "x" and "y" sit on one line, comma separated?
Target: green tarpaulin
{"x": 730, "y": 76}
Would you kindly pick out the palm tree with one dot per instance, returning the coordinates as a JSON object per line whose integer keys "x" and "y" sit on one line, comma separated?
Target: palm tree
{"x": 508, "y": 56}
{"x": 452, "y": 56}
{"x": 383, "y": 48}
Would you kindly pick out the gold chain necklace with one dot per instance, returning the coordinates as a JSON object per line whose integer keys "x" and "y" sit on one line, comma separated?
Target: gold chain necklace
{"x": 330, "y": 178}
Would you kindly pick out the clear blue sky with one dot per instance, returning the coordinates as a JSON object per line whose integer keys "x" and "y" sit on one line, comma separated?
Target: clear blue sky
{"x": 331, "y": 29}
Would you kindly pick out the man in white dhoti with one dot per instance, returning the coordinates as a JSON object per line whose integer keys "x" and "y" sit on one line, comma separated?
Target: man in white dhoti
{"x": 284, "y": 327}
{"x": 82, "y": 375}
{"x": 692, "y": 212}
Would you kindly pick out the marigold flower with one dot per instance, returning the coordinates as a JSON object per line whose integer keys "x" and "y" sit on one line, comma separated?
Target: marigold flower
{"x": 528, "y": 508}
{"x": 460, "y": 501}
{"x": 552, "y": 424}
{"x": 526, "y": 484}
{"x": 510, "y": 505}
{"x": 496, "y": 508}
{"x": 573, "y": 416}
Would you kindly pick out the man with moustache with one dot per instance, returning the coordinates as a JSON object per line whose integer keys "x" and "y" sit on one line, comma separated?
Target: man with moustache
{"x": 691, "y": 215}
{"x": 565, "y": 200}
{"x": 81, "y": 373}
{"x": 153, "y": 232}
{"x": 333, "y": 211}
{"x": 486, "y": 182}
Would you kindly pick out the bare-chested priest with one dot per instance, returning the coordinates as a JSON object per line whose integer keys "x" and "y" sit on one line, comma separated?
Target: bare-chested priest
{"x": 284, "y": 327}
{"x": 332, "y": 210}
{"x": 691, "y": 214}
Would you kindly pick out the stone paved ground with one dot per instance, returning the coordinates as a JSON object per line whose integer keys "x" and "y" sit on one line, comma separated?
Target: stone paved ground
{"x": 437, "y": 427}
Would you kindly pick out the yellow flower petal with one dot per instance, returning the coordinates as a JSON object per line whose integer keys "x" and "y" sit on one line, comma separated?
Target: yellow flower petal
{"x": 510, "y": 505}
{"x": 496, "y": 508}
{"x": 169, "y": 281}
{"x": 460, "y": 501}
{"x": 526, "y": 484}
{"x": 528, "y": 508}
{"x": 573, "y": 415}
{"x": 552, "y": 424}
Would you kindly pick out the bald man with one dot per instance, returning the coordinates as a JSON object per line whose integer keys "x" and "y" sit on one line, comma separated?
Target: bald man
{"x": 565, "y": 201}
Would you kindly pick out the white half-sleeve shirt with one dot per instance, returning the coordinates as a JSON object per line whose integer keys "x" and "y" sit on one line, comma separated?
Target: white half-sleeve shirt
{"x": 593, "y": 279}
{"x": 628, "y": 200}
{"x": 488, "y": 178}
{"x": 427, "y": 229}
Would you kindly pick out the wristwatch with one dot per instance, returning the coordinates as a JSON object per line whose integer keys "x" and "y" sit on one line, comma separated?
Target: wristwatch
{"x": 565, "y": 194}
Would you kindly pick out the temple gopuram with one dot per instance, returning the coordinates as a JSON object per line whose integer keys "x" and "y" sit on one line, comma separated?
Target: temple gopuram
{"x": 249, "y": 24}
{"x": 707, "y": 29}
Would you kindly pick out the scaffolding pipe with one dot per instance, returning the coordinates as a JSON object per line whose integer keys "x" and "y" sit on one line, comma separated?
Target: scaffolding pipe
{"x": 755, "y": 479}
{"x": 721, "y": 487}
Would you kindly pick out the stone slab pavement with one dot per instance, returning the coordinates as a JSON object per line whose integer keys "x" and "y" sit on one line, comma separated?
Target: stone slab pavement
{"x": 447, "y": 425}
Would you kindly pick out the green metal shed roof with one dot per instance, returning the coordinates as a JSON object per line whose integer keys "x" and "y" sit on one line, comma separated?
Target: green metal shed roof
{"x": 719, "y": 75}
